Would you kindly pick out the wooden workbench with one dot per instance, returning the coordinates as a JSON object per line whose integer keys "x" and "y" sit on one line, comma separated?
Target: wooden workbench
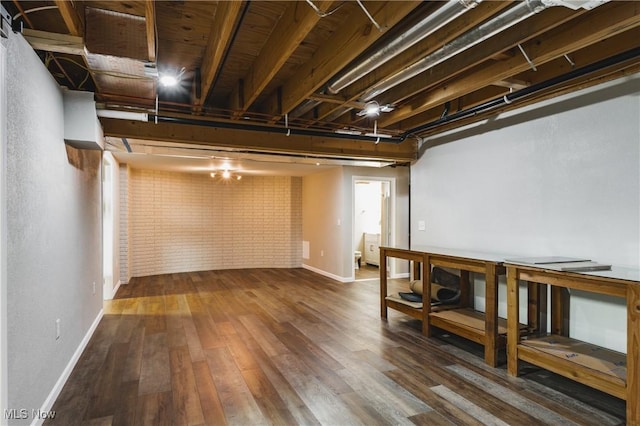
{"x": 484, "y": 328}
{"x": 612, "y": 372}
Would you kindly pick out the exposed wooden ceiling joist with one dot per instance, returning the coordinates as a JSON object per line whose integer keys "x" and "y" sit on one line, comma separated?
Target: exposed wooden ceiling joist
{"x": 607, "y": 21}
{"x": 150, "y": 19}
{"x": 73, "y": 19}
{"x": 357, "y": 34}
{"x": 224, "y": 23}
{"x": 295, "y": 24}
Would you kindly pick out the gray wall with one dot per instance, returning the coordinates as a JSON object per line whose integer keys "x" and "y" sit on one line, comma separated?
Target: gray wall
{"x": 558, "y": 178}
{"x": 328, "y": 216}
{"x": 53, "y": 232}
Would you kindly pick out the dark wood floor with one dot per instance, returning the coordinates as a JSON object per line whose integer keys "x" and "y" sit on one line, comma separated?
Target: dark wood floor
{"x": 288, "y": 346}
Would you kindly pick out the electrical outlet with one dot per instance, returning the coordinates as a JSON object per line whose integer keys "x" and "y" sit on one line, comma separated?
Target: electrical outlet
{"x": 94, "y": 287}
{"x": 321, "y": 253}
{"x": 57, "y": 328}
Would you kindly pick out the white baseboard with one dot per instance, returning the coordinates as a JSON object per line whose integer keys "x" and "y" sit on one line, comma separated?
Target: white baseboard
{"x": 55, "y": 392}
{"x": 402, "y": 275}
{"x": 328, "y": 274}
{"x": 115, "y": 290}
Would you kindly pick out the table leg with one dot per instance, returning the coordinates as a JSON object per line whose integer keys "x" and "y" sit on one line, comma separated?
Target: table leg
{"x": 383, "y": 283}
{"x": 560, "y": 311}
{"x": 426, "y": 295}
{"x": 465, "y": 289}
{"x": 491, "y": 316}
{"x": 537, "y": 307}
{"x": 513, "y": 336}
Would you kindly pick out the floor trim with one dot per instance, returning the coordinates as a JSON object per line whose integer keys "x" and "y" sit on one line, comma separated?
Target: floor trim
{"x": 55, "y": 392}
{"x": 328, "y": 274}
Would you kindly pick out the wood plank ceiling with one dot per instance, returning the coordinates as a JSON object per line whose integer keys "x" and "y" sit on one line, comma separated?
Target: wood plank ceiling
{"x": 267, "y": 75}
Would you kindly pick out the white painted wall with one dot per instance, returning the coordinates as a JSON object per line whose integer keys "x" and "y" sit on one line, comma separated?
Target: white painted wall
{"x": 558, "y": 178}
{"x": 53, "y": 235}
{"x": 3, "y": 229}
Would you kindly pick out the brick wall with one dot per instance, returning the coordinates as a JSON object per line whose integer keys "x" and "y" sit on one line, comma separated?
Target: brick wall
{"x": 188, "y": 222}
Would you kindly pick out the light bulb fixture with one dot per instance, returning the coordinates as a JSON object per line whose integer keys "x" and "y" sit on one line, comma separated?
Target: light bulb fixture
{"x": 169, "y": 79}
{"x": 373, "y": 109}
{"x": 225, "y": 175}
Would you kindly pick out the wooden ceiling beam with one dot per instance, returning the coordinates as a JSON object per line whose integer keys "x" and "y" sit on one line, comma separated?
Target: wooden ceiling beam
{"x": 222, "y": 28}
{"x": 72, "y": 19}
{"x": 605, "y": 21}
{"x": 53, "y": 42}
{"x": 579, "y": 84}
{"x": 456, "y": 66}
{"x": 260, "y": 141}
{"x": 356, "y": 35}
{"x": 606, "y": 48}
{"x": 292, "y": 28}
{"x": 150, "y": 20}
{"x": 444, "y": 35}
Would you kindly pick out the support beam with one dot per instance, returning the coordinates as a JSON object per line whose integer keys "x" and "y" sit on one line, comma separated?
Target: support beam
{"x": 72, "y": 19}
{"x": 54, "y": 42}
{"x": 260, "y": 141}
{"x": 222, "y": 27}
{"x": 150, "y": 19}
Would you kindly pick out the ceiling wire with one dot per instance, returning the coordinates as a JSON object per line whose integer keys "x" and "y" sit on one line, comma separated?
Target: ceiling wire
{"x": 23, "y": 13}
{"x": 321, "y": 13}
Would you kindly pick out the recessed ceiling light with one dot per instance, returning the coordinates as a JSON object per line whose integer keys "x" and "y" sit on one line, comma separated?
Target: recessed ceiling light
{"x": 168, "y": 80}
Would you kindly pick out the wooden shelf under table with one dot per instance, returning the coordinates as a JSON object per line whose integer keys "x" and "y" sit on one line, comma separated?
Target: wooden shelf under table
{"x": 593, "y": 365}
{"x": 467, "y": 323}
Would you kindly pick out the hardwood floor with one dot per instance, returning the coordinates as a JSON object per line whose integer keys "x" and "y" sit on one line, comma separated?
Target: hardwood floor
{"x": 288, "y": 346}
{"x": 367, "y": 272}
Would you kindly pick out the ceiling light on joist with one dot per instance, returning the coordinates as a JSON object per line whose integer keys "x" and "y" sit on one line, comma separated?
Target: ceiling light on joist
{"x": 170, "y": 79}
{"x": 373, "y": 109}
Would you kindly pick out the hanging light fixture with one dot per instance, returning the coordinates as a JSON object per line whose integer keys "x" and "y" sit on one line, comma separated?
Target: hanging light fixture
{"x": 225, "y": 175}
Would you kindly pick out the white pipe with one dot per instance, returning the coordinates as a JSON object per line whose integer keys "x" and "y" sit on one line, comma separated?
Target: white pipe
{"x": 505, "y": 20}
{"x": 427, "y": 26}
{"x": 123, "y": 115}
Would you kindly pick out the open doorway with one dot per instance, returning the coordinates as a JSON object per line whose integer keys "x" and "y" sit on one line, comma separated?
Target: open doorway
{"x": 372, "y": 224}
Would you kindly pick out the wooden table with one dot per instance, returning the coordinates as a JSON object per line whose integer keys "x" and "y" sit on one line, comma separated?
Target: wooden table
{"x": 483, "y": 328}
{"x": 609, "y": 371}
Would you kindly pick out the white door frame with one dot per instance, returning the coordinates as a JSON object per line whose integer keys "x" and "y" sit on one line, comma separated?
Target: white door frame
{"x": 392, "y": 216}
{"x": 108, "y": 224}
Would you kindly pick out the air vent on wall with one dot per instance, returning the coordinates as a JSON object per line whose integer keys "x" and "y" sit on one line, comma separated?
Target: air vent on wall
{"x": 82, "y": 129}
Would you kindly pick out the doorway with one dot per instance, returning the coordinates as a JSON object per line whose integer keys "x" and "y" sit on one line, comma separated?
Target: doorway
{"x": 372, "y": 224}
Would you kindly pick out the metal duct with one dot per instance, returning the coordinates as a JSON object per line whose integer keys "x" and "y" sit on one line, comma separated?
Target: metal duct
{"x": 442, "y": 16}
{"x": 505, "y": 20}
